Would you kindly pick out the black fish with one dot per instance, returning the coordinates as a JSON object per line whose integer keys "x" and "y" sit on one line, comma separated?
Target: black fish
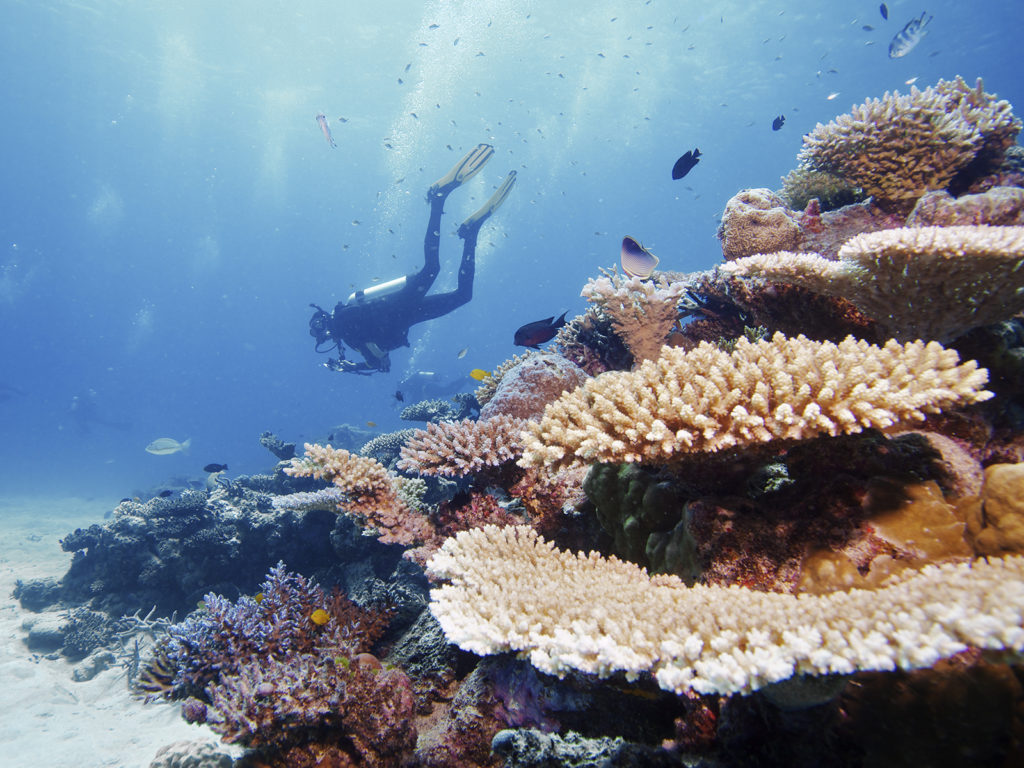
{"x": 685, "y": 164}
{"x": 399, "y": 396}
{"x": 778, "y": 122}
{"x": 884, "y": 10}
{"x": 536, "y": 333}
{"x": 215, "y": 467}
{"x": 164, "y": 494}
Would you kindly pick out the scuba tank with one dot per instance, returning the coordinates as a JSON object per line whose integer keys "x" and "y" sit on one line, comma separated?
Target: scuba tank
{"x": 377, "y": 291}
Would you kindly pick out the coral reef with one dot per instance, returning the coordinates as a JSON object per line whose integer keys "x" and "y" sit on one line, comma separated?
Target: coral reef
{"x": 456, "y": 449}
{"x": 589, "y": 341}
{"x": 526, "y": 388}
{"x": 802, "y": 185}
{"x": 285, "y": 669}
{"x": 998, "y": 206}
{"x": 757, "y": 221}
{"x": 368, "y": 491}
{"x": 897, "y": 148}
{"x": 931, "y": 283}
{"x": 643, "y": 312}
{"x": 995, "y": 521}
{"x": 508, "y": 589}
{"x": 782, "y": 389}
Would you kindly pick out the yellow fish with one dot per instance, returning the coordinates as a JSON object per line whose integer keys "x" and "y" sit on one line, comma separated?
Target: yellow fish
{"x": 320, "y": 617}
{"x": 479, "y": 374}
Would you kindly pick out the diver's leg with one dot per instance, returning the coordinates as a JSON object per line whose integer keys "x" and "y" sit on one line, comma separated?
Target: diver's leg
{"x": 442, "y": 303}
{"x": 474, "y": 222}
{"x": 419, "y": 283}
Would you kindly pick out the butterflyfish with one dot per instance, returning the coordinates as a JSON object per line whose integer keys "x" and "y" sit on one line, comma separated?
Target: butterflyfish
{"x": 636, "y": 260}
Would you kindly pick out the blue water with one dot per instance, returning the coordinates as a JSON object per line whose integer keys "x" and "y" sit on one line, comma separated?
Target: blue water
{"x": 170, "y": 208}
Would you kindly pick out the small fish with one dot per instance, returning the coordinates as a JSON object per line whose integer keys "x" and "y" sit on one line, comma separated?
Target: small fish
{"x": 907, "y": 38}
{"x": 479, "y": 374}
{"x": 215, "y": 467}
{"x": 636, "y": 260}
{"x": 258, "y": 598}
{"x": 122, "y": 501}
{"x": 319, "y": 617}
{"x": 407, "y": 66}
{"x": 371, "y": 423}
{"x": 325, "y": 129}
{"x": 342, "y": 119}
{"x": 539, "y": 331}
{"x": 884, "y": 10}
{"x": 399, "y": 396}
{"x": 165, "y": 446}
{"x": 164, "y": 494}
{"x": 868, "y": 28}
{"x": 462, "y": 353}
{"x": 911, "y": 81}
{"x": 434, "y": 26}
{"x": 832, "y": 95}
{"x": 685, "y": 164}
{"x": 778, "y": 122}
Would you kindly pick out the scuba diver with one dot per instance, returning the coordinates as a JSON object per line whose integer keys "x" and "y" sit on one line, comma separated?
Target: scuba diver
{"x": 376, "y": 320}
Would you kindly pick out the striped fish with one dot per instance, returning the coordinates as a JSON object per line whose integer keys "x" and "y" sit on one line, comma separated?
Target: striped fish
{"x": 908, "y": 37}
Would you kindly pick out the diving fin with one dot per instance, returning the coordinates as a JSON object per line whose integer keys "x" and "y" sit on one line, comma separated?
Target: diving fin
{"x": 475, "y": 221}
{"x": 462, "y": 171}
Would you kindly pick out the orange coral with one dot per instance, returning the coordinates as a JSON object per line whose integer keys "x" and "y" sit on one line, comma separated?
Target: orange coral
{"x": 369, "y": 491}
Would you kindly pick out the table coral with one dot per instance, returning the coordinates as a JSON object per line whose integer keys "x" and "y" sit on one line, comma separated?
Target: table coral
{"x": 779, "y": 389}
{"x": 509, "y": 590}
{"x": 898, "y": 147}
{"x": 915, "y": 282}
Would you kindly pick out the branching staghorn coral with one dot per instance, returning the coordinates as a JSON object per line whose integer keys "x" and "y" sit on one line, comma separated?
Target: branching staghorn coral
{"x": 915, "y": 283}
{"x": 456, "y": 449}
{"x": 368, "y": 490}
{"x": 778, "y": 389}
{"x": 642, "y": 311}
{"x": 898, "y": 147}
{"x": 509, "y": 590}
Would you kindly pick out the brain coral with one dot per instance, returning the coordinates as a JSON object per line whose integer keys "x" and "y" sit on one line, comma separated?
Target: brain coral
{"x": 784, "y": 388}
{"x": 898, "y": 147}
{"x": 510, "y": 590}
{"x": 925, "y": 282}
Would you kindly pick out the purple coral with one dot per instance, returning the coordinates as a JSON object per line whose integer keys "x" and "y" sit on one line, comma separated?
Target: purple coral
{"x": 263, "y": 673}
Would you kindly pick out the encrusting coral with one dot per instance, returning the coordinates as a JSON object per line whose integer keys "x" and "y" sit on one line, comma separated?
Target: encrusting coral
{"x": 898, "y": 147}
{"x": 932, "y": 283}
{"x": 642, "y": 312}
{"x": 509, "y": 590}
{"x": 779, "y": 389}
{"x": 456, "y": 449}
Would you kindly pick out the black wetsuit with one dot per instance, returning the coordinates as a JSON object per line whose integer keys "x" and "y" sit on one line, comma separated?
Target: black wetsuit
{"x": 376, "y": 326}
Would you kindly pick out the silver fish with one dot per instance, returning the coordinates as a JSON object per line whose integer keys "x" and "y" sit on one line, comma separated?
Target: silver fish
{"x": 907, "y": 38}
{"x": 164, "y": 446}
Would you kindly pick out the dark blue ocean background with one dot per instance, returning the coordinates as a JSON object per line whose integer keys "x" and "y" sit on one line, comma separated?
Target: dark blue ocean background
{"x": 170, "y": 208}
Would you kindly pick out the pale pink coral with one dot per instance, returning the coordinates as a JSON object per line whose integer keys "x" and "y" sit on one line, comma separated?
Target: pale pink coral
{"x": 525, "y": 389}
{"x": 368, "y": 491}
{"x": 464, "y": 447}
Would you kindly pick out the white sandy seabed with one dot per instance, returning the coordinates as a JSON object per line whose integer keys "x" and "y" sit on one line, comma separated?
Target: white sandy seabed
{"x": 47, "y": 720}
